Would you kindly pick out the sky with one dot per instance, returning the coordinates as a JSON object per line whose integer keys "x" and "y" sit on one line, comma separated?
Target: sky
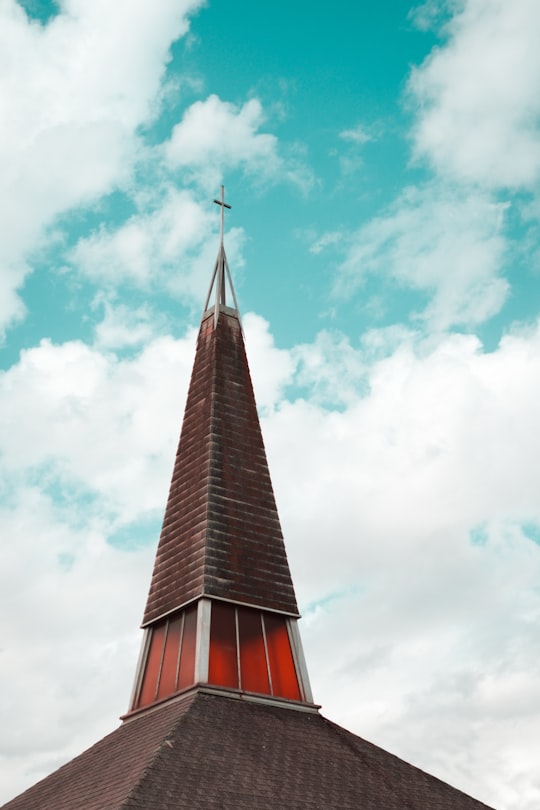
{"x": 382, "y": 161}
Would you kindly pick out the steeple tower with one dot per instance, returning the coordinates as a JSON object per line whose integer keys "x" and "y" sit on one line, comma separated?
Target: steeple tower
{"x": 221, "y": 611}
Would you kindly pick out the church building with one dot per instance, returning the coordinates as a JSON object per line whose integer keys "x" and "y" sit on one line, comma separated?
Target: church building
{"x": 222, "y": 716}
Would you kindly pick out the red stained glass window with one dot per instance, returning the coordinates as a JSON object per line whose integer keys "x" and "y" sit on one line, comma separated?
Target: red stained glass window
{"x": 169, "y": 667}
{"x": 253, "y": 666}
{"x": 153, "y": 666}
{"x": 223, "y": 659}
{"x": 282, "y": 668}
{"x": 186, "y": 674}
{"x": 248, "y": 650}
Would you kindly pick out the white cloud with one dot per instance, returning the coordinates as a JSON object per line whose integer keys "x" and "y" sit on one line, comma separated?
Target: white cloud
{"x": 447, "y": 244}
{"x": 215, "y": 130}
{"x": 72, "y": 94}
{"x": 438, "y": 438}
{"x": 153, "y": 248}
{"x": 328, "y": 238}
{"x": 427, "y": 15}
{"x": 357, "y": 135}
{"x": 350, "y": 158}
{"x": 476, "y": 123}
{"x": 169, "y": 244}
{"x": 69, "y": 633}
{"x": 214, "y": 136}
{"x": 330, "y": 369}
{"x": 273, "y": 368}
{"x": 59, "y": 397}
{"x": 123, "y": 327}
{"x": 416, "y": 635}
{"x": 479, "y": 96}
{"x": 12, "y": 308}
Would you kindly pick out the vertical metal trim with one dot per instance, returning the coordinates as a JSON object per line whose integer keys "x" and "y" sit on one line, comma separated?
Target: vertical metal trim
{"x": 141, "y": 666}
{"x": 202, "y": 644}
{"x": 266, "y": 655}
{"x": 180, "y": 642}
{"x": 232, "y": 290}
{"x": 211, "y": 285}
{"x": 219, "y": 285}
{"x": 161, "y": 659}
{"x": 299, "y": 660}
{"x": 237, "y": 631}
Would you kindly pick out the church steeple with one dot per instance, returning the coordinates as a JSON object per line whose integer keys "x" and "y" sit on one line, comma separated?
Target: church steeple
{"x": 221, "y": 611}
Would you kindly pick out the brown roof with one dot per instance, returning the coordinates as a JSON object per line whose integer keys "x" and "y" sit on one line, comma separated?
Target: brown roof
{"x": 209, "y": 752}
{"x": 221, "y": 534}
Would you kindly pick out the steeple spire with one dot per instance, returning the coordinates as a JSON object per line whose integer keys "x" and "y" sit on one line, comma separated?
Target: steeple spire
{"x": 221, "y": 611}
{"x": 221, "y": 272}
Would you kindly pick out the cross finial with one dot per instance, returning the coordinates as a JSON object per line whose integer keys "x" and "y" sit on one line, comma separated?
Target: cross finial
{"x": 221, "y": 273}
{"x": 223, "y": 205}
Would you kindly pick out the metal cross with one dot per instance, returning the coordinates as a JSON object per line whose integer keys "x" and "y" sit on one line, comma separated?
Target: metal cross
{"x": 223, "y": 207}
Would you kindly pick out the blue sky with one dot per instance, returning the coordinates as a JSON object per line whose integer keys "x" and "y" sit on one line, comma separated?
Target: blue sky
{"x": 345, "y": 157}
{"x": 383, "y": 166}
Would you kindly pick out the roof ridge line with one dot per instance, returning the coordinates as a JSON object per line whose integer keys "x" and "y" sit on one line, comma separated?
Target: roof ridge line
{"x": 211, "y": 443}
{"x": 346, "y": 735}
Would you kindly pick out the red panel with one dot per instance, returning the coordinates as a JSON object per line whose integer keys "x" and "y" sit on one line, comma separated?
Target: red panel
{"x": 282, "y": 668}
{"x": 169, "y": 667}
{"x": 186, "y": 674}
{"x": 153, "y": 664}
{"x": 223, "y": 661}
{"x": 253, "y": 665}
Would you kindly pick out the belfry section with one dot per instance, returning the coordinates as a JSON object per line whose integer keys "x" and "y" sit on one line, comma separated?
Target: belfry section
{"x": 219, "y": 644}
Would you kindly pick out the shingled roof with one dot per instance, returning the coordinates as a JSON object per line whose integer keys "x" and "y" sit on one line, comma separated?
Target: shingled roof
{"x": 212, "y": 752}
{"x": 221, "y": 533}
